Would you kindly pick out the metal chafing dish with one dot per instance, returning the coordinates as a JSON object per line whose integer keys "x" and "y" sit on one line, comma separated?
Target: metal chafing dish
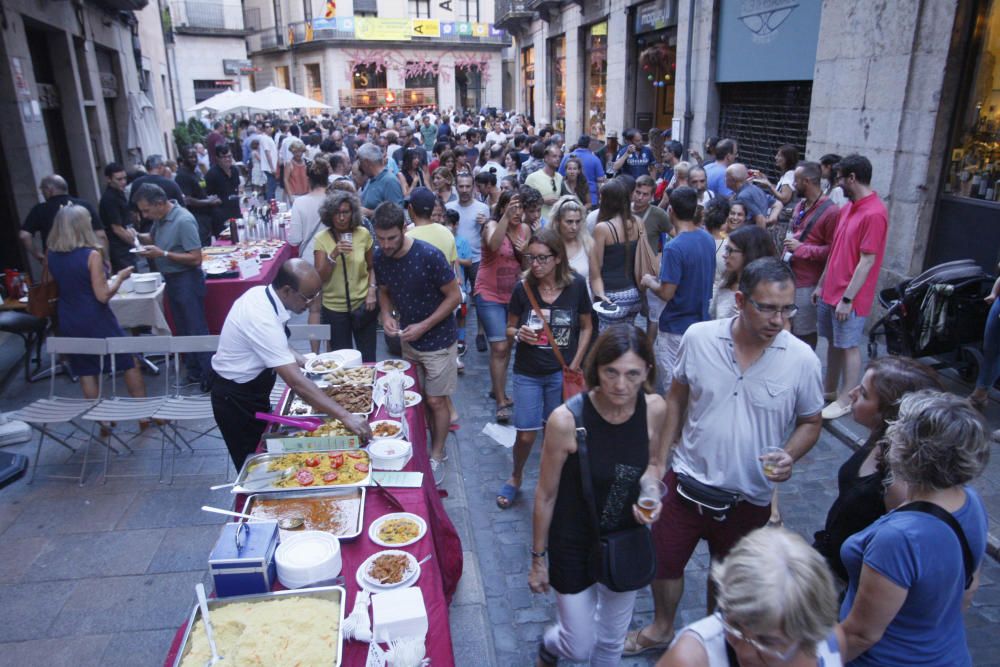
{"x": 333, "y": 593}
{"x": 354, "y": 500}
{"x": 290, "y": 397}
{"x": 247, "y": 484}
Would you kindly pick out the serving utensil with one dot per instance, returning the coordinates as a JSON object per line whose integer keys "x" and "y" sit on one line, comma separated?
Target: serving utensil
{"x": 262, "y": 481}
{"x": 199, "y": 589}
{"x": 216, "y": 510}
{"x": 391, "y": 499}
{"x": 305, "y": 423}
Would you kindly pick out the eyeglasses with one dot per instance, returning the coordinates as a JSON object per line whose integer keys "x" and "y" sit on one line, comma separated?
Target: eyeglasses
{"x": 769, "y": 310}
{"x": 308, "y": 299}
{"x": 541, "y": 259}
{"x": 730, "y": 250}
{"x": 760, "y": 647}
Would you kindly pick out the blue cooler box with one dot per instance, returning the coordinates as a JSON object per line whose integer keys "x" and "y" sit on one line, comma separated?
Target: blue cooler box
{"x": 242, "y": 562}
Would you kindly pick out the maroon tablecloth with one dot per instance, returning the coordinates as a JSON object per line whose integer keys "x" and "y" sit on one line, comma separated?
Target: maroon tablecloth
{"x": 221, "y": 293}
{"x": 438, "y": 577}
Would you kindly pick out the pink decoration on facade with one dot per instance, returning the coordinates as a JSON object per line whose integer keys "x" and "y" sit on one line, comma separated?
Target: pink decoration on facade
{"x": 472, "y": 61}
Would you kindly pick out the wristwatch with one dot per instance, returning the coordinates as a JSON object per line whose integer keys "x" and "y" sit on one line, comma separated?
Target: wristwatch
{"x": 846, "y": 299}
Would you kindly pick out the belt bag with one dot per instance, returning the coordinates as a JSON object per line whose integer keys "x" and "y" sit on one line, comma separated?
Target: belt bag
{"x": 709, "y": 499}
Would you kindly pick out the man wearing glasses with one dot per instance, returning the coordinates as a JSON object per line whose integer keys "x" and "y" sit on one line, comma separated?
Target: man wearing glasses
{"x": 740, "y": 386}
{"x": 548, "y": 180}
{"x": 254, "y": 350}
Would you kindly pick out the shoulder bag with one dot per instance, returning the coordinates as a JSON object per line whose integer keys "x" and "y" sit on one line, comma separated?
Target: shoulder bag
{"x": 708, "y": 499}
{"x": 930, "y": 508}
{"x": 624, "y": 560}
{"x": 573, "y": 382}
{"x": 42, "y": 296}
{"x": 645, "y": 256}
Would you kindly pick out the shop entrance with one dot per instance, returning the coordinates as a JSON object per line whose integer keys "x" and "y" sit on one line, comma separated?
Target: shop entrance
{"x": 654, "y": 91}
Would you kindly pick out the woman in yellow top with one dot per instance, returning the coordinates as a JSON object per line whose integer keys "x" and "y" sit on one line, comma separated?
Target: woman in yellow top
{"x": 343, "y": 257}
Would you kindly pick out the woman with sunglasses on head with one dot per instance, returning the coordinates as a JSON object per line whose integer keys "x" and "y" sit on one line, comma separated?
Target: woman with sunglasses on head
{"x": 504, "y": 238}
{"x": 568, "y": 219}
{"x": 742, "y": 247}
{"x": 776, "y": 606}
{"x": 561, "y": 296}
{"x": 343, "y": 257}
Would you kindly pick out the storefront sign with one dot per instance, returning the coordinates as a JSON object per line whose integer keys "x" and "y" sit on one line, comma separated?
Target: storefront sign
{"x": 381, "y": 29}
{"x": 767, "y": 40}
{"x": 425, "y": 27}
{"x": 236, "y": 66}
{"x": 655, "y": 16}
{"x": 480, "y": 29}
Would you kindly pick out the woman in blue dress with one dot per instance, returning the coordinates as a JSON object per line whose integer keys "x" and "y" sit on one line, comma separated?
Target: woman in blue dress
{"x": 74, "y": 260}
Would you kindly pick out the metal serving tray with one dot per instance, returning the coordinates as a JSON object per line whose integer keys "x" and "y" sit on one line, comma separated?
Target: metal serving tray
{"x": 354, "y": 523}
{"x": 286, "y": 404}
{"x": 332, "y": 593}
{"x": 243, "y": 485}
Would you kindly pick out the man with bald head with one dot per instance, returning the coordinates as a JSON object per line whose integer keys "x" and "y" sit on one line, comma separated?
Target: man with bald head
{"x": 254, "y": 350}
{"x": 748, "y": 194}
{"x": 41, "y": 216}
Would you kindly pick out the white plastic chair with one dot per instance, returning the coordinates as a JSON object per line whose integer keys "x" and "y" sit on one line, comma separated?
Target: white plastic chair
{"x": 125, "y": 408}
{"x": 45, "y": 412}
{"x": 181, "y": 408}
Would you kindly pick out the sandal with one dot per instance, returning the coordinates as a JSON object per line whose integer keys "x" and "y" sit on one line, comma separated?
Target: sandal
{"x": 634, "y": 643}
{"x": 545, "y": 655}
{"x": 503, "y": 414}
{"x": 507, "y": 496}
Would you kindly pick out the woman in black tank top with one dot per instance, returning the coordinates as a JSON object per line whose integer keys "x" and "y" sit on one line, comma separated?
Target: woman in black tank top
{"x": 623, "y": 423}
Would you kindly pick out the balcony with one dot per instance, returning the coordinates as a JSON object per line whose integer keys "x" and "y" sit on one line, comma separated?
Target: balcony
{"x": 270, "y": 39}
{"x": 121, "y": 5}
{"x": 513, "y": 14}
{"x": 207, "y": 17}
{"x": 546, "y": 8}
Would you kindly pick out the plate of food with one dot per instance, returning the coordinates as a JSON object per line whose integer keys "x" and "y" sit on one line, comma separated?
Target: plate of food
{"x": 292, "y": 471}
{"x": 381, "y": 382}
{"x": 387, "y": 365}
{"x": 397, "y": 530}
{"x": 388, "y": 569}
{"x": 216, "y": 251}
{"x": 412, "y": 398}
{"x": 322, "y": 364}
{"x": 355, "y": 375}
{"x": 386, "y": 428}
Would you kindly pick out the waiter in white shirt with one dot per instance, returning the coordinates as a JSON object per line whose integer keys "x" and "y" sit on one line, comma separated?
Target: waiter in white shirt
{"x": 254, "y": 348}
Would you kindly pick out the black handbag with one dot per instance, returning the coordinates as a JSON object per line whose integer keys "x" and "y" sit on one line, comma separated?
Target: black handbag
{"x": 708, "y": 499}
{"x": 624, "y": 560}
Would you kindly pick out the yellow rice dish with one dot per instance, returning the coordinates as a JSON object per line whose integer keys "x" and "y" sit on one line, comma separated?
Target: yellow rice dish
{"x": 291, "y": 632}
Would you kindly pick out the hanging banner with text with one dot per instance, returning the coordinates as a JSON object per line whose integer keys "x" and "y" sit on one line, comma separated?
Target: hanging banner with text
{"x": 425, "y": 28}
{"x": 377, "y": 29}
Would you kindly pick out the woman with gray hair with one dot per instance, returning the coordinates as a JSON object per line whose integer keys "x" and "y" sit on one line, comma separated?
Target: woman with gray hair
{"x": 776, "y": 605}
{"x": 913, "y": 571}
{"x": 343, "y": 257}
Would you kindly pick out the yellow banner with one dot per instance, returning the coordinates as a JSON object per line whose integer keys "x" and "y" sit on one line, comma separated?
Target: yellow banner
{"x": 425, "y": 27}
{"x": 480, "y": 29}
{"x": 381, "y": 29}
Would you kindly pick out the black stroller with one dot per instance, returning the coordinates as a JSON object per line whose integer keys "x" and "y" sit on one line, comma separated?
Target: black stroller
{"x": 940, "y": 313}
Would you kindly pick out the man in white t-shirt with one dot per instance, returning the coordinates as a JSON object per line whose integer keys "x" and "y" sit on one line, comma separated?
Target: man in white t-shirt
{"x": 253, "y": 350}
{"x": 268, "y": 152}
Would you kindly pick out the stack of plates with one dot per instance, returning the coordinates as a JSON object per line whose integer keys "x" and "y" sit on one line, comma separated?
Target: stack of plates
{"x": 308, "y": 558}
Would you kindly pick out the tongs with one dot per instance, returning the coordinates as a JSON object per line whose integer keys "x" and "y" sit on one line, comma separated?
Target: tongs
{"x": 391, "y": 499}
{"x": 304, "y": 423}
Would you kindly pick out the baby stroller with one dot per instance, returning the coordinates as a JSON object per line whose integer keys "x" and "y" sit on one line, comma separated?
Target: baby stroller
{"x": 940, "y": 313}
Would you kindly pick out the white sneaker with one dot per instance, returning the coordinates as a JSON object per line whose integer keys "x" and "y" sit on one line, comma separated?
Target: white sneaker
{"x": 461, "y": 366}
{"x": 438, "y": 471}
{"x": 835, "y": 411}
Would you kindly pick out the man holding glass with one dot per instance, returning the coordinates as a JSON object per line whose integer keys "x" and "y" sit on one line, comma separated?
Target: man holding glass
{"x": 739, "y": 386}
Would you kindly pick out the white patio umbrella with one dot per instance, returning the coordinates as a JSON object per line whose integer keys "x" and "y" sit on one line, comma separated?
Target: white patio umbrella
{"x": 216, "y": 102}
{"x": 244, "y": 99}
{"x": 277, "y": 99}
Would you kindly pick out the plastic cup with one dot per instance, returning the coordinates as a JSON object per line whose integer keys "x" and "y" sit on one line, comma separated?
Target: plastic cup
{"x": 651, "y": 492}
{"x": 770, "y": 459}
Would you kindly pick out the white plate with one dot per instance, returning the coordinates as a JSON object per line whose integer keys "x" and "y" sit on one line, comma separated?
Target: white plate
{"x": 381, "y": 382}
{"x": 601, "y": 310}
{"x": 373, "y": 529}
{"x": 310, "y": 366}
{"x": 137, "y": 250}
{"x": 367, "y": 584}
{"x": 403, "y": 365}
{"x": 23, "y": 299}
{"x": 399, "y": 433}
{"x": 412, "y": 398}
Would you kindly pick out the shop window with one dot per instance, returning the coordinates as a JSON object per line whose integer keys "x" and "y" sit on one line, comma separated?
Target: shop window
{"x": 204, "y": 89}
{"x": 974, "y": 159}
{"x": 763, "y": 116}
{"x": 469, "y": 92}
{"x": 367, "y": 77}
{"x": 419, "y": 9}
{"x": 468, "y": 10}
{"x": 281, "y": 77}
{"x": 557, "y": 81}
{"x": 528, "y": 68}
{"x": 596, "y": 67}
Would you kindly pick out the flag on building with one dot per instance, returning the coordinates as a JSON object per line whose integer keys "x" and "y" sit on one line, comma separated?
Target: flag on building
{"x": 330, "y": 10}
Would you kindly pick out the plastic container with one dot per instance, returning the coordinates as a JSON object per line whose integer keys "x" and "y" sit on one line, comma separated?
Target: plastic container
{"x": 390, "y": 454}
{"x": 308, "y": 558}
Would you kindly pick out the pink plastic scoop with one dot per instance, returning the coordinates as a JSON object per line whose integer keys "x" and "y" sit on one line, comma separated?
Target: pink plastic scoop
{"x": 304, "y": 423}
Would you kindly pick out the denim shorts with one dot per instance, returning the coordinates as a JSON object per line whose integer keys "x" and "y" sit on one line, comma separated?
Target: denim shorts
{"x": 535, "y": 397}
{"x": 842, "y": 335}
{"x": 493, "y": 316}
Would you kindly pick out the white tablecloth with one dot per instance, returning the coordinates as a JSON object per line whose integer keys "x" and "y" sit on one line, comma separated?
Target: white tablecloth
{"x": 141, "y": 310}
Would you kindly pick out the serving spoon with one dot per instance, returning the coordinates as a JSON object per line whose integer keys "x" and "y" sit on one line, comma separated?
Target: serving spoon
{"x": 199, "y": 589}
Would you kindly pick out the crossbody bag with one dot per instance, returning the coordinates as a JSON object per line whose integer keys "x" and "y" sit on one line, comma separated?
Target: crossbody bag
{"x": 946, "y": 516}
{"x": 624, "y": 560}
{"x": 710, "y": 500}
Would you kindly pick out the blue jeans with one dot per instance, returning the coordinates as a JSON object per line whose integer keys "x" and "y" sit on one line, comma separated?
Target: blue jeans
{"x": 493, "y": 316}
{"x": 186, "y": 292}
{"x": 272, "y": 185}
{"x": 990, "y": 369}
{"x": 535, "y": 397}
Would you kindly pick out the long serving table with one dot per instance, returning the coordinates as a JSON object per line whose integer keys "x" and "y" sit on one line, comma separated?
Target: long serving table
{"x": 438, "y": 577}
{"x": 221, "y": 293}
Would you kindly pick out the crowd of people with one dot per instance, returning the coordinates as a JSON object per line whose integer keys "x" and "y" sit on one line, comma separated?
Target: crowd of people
{"x": 407, "y": 220}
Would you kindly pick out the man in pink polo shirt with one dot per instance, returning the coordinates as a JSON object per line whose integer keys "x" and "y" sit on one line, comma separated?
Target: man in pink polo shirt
{"x": 847, "y": 289}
